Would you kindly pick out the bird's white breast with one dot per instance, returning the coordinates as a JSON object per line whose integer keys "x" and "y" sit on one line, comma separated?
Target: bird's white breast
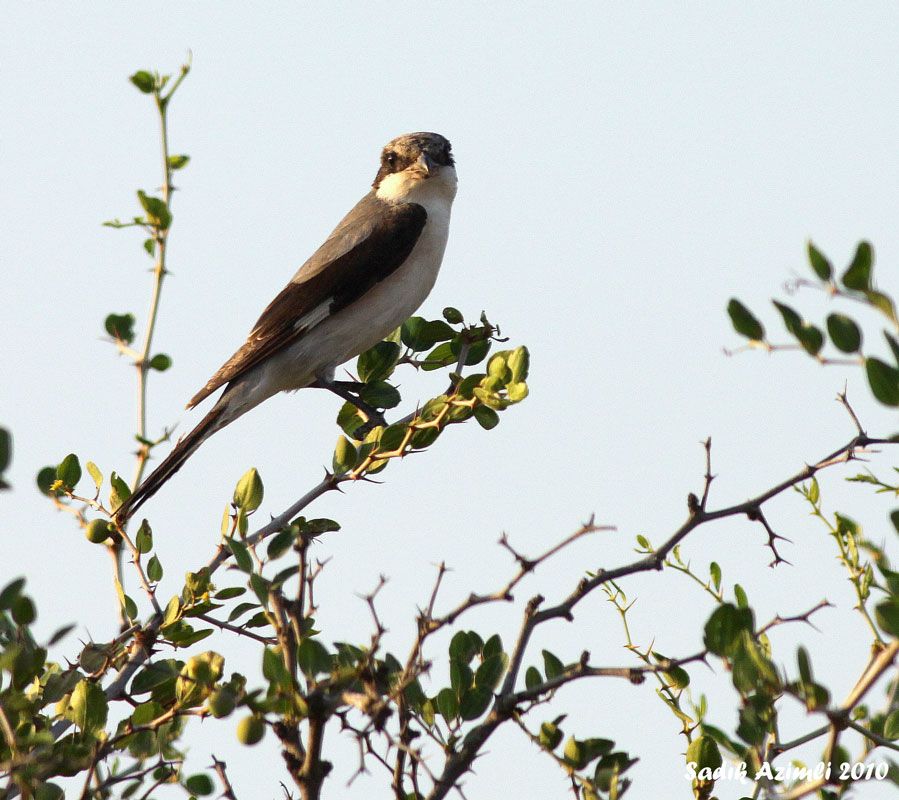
{"x": 389, "y": 303}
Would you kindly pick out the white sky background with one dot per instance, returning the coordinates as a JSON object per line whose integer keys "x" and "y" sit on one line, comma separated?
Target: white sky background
{"x": 623, "y": 172}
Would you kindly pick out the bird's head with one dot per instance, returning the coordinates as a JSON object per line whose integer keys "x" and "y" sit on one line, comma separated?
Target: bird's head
{"x": 415, "y": 164}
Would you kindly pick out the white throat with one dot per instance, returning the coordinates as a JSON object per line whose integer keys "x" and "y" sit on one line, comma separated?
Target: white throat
{"x": 435, "y": 193}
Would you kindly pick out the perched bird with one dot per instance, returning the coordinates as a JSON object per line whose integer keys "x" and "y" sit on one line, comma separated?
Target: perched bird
{"x": 372, "y": 273}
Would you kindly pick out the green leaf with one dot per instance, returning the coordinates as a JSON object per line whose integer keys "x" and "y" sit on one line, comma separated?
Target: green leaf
{"x": 532, "y": 678}
{"x": 462, "y": 647}
{"x": 441, "y": 356}
{"x": 858, "y": 276}
{"x": 241, "y": 555}
{"x": 519, "y": 362}
{"x": 249, "y": 491}
{"x": 179, "y": 161}
{"x": 154, "y": 569}
{"x": 172, "y": 610}
{"x": 461, "y": 678}
{"x": 129, "y": 607}
{"x": 273, "y": 669}
{"x": 120, "y": 326}
{"x": 814, "y": 492}
{"x": 891, "y": 726}
{"x": 715, "y": 572}
{"x": 88, "y": 707}
{"x": 392, "y": 437}
{"x": 704, "y": 752}
{"x": 792, "y": 320}
{"x": 154, "y": 675}
{"x": 844, "y": 333}
{"x": 552, "y": 667}
{"x": 883, "y": 303}
{"x": 150, "y": 247}
{"x": 819, "y": 262}
{"x": 492, "y": 647}
{"x": 345, "y": 456}
{"x": 447, "y": 704}
{"x": 722, "y": 631}
{"x": 497, "y": 368}
{"x": 49, "y": 791}
{"x": 94, "y": 471}
{"x": 574, "y": 754}
{"x": 313, "y": 658}
{"x": 143, "y": 541}
{"x": 280, "y": 543}
{"x": 376, "y": 363}
{"x": 550, "y": 735}
{"x": 805, "y": 667}
{"x": 240, "y": 609}
{"x": 146, "y": 713}
{"x": 199, "y": 784}
{"x": 45, "y": 480}
{"x": 475, "y": 702}
{"x": 486, "y": 417}
{"x": 229, "y": 593}
{"x": 160, "y": 362}
{"x": 10, "y": 592}
{"x": 23, "y": 611}
{"x": 5, "y": 449}
{"x": 894, "y": 345}
{"x": 144, "y": 81}
{"x": 118, "y": 492}
{"x": 380, "y": 394}
{"x": 477, "y": 351}
{"x": 884, "y": 381}
{"x": 419, "y": 334}
{"x": 261, "y": 588}
{"x": 317, "y": 526}
{"x": 348, "y": 419}
{"x": 157, "y": 211}
{"x": 811, "y": 339}
{"x": 887, "y": 614}
{"x": 453, "y": 316}
{"x": 744, "y": 322}
{"x": 517, "y": 391}
{"x": 491, "y": 670}
{"x": 197, "y": 678}
{"x": 69, "y": 471}
{"x": 677, "y": 677}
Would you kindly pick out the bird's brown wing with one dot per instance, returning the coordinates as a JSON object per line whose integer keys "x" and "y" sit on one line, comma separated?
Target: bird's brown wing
{"x": 370, "y": 243}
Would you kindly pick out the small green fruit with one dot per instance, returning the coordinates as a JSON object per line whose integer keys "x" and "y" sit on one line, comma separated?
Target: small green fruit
{"x": 250, "y": 730}
{"x": 97, "y": 531}
{"x": 221, "y": 703}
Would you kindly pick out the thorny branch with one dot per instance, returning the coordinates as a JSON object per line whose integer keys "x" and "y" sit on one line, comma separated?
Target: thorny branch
{"x": 508, "y": 702}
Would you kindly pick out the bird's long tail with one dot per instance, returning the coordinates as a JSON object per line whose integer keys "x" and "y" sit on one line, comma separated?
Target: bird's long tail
{"x": 185, "y": 448}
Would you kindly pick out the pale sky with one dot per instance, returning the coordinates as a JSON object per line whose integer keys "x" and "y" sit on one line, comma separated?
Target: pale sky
{"x": 623, "y": 172}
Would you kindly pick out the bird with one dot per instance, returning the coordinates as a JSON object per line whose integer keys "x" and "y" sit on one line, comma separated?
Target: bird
{"x": 369, "y": 276}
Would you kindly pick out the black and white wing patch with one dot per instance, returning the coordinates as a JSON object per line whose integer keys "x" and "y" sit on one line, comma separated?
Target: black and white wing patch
{"x": 370, "y": 243}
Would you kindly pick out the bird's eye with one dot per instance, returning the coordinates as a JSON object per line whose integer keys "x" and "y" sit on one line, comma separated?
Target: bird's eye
{"x": 390, "y": 159}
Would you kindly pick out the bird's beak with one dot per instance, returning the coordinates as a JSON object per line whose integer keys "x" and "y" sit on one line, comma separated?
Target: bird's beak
{"x": 425, "y": 165}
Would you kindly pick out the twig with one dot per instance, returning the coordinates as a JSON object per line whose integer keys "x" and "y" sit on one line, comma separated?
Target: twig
{"x": 227, "y": 626}
{"x": 227, "y": 789}
{"x": 707, "y": 445}
{"x": 461, "y": 759}
{"x": 842, "y": 398}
